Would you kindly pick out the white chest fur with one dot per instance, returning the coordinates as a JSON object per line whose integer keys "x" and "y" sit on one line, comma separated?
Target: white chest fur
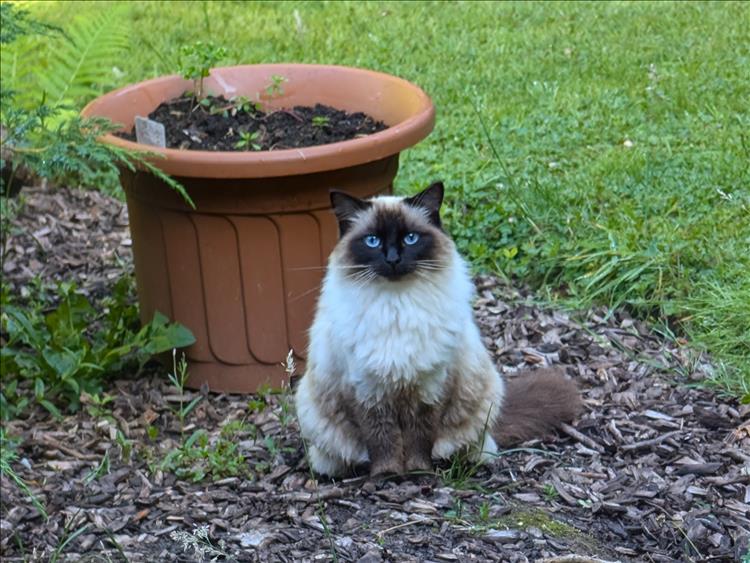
{"x": 380, "y": 337}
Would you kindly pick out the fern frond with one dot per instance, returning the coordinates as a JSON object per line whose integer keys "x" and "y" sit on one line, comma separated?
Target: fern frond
{"x": 20, "y": 66}
{"x": 79, "y": 68}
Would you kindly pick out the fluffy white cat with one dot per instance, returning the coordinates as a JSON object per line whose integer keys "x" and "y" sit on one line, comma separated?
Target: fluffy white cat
{"x": 397, "y": 374}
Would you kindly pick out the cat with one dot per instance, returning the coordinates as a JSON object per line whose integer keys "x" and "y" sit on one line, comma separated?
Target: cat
{"x": 397, "y": 375}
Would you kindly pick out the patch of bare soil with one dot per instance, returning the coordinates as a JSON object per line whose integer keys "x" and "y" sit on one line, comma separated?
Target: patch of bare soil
{"x": 221, "y": 128}
{"x": 655, "y": 469}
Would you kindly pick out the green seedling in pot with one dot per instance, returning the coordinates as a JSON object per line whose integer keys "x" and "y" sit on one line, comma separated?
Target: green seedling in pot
{"x": 320, "y": 121}
{"x": 248, "y": 141}
{"x": 196, "y": 61}
{"x": 242, "y": 104}
{"x": 275, "y": 87}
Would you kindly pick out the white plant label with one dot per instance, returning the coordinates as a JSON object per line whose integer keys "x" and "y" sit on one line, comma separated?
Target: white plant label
{"x": 149, "y": 132}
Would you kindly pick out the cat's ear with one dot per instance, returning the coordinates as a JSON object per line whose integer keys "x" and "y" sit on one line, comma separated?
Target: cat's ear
{"x": 430, "y": 199}
{"x": 346, "y": 208}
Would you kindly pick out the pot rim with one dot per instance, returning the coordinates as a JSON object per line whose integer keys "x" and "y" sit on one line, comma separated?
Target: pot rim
{"x": 286, "y": 162}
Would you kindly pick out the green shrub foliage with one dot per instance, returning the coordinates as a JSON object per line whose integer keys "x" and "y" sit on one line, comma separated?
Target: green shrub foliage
{"x": 56, "y": 352}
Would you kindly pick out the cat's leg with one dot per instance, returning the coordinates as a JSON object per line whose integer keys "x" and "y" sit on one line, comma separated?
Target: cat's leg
{"x": 419, "y": 426}
{"x": 325, "y": 464}
{"x": 473, "y": 402}
{"x": 384, "y": 439}
{"x": 331, "y": 436}
{"x": 460, "y": 430}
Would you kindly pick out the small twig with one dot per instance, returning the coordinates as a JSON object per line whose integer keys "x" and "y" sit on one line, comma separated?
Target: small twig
{"x": 562, "y": 491}
{"x": 615, "y": 431}
{"x": 576, "y": 435}
{"x": 724, "y": 481}
{"x": 290, "y": 112}
{"x": 49, "y": 441}
{"x": 676, "y": 525}
{"x": 652, "y": 442}
{"x": 381, "y": 533}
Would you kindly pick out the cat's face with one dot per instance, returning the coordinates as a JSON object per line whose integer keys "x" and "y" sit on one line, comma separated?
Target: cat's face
{"x": 391, "y": 238}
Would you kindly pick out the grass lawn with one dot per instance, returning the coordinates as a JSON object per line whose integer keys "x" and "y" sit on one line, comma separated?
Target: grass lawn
{"x": 599, "y": 151}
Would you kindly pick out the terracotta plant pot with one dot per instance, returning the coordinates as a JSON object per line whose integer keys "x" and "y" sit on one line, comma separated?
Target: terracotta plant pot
{"x": 243, "y": 269}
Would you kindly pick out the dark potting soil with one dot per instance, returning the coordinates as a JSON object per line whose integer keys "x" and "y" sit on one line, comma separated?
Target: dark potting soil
{"x": 218, "y": 124}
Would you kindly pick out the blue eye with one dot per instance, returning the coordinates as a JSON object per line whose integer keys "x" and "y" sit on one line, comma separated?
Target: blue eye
{"x": 372, "y": 241}
{"x": 411, "y": 238}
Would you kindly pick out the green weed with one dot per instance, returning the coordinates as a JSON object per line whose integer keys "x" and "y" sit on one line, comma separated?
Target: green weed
{"x": 125, "y": 444}
{"x": 456, "y": 514}
{"x": 320, "y": 121}
{"x": 550, "y": 492}
{"x": 178, "y": 378}
{"x": 101, "y": 469}
{"x": 68, "y": 536}
{"x": 200, "y": 457}
{"x": 96, "y": 405}
{"x": 275, "y": 87}
{"x": 243, "y": 104}
{"x": 57, "y": 355}
{"x": 461, "y": 471}
{"x": 8, "y": 455}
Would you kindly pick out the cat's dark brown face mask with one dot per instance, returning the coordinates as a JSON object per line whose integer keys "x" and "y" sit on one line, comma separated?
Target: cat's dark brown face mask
{"x": 391, "y": 238}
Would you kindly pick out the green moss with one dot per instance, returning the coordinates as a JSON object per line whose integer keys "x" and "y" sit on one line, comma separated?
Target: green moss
{"x": 526, "y": 517}
{"x": 537, "y": 518}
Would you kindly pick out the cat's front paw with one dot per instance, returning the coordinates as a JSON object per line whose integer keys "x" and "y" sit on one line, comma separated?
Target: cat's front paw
{"x": 386, "y": 467}
{"x": 418, "y": 462}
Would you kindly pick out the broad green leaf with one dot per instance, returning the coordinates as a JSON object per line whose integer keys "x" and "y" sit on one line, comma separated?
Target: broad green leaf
{"x": 51, "y": 408}
{"x": 39, "y": 389}
{"x": 63, "y": 362}
{"x": 163, "y": 337}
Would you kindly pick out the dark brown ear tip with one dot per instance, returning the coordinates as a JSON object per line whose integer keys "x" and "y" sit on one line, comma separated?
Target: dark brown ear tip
{"x": 337, "y": 195}
{"x": 437, "y": 190}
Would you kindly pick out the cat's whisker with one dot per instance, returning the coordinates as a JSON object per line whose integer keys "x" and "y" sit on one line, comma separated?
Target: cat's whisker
{"x": 358, "y": 276}
{"x": 304, "y": 294}
{"x": 363, "y": 270}
{"x": 367, "y": 276}
{"x": 323, "y": 268}
{"x": 433, "y": 262}
{"x": 305, "y": 268}
{"x": 427, "y": 276}
{"x": 364, "y": 278}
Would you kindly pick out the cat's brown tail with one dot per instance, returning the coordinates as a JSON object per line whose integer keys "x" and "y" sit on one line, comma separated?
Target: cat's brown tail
{"x": 535, "y": 404}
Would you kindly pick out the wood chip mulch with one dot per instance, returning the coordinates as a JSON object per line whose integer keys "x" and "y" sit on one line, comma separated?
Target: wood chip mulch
{"x": 656, "y": 469}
